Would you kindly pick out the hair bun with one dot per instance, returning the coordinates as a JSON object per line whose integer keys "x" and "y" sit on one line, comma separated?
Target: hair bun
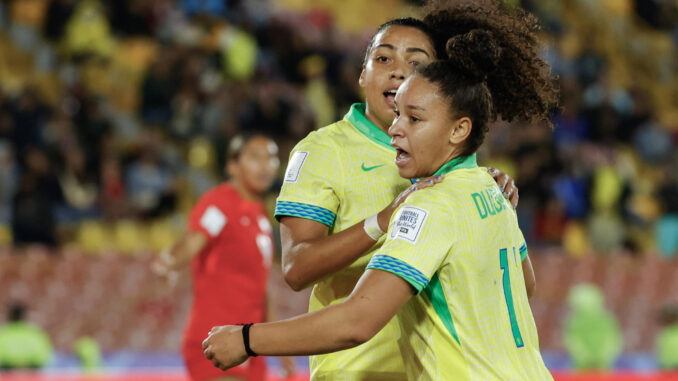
{"x": 476, "y": 53}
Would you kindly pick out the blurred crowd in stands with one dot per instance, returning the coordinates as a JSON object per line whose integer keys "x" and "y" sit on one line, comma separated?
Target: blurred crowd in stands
{"x": 114, "y": 114}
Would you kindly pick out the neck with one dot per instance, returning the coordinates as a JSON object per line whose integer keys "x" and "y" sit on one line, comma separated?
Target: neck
{"x": 457, "y": 162}
{"x": 454, "y": 153}
{"x": 244, "y": 192}
{"x": 372, "y": 118}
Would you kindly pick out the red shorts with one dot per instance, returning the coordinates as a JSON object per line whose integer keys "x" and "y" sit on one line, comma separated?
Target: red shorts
{"x": 201, "y": 369}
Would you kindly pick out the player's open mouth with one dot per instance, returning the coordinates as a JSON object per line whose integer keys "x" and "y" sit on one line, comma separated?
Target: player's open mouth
{"x": 402, "y": 157}
{"x": 389, "y": 96}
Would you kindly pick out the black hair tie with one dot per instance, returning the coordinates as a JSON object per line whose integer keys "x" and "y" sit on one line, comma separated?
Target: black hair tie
{"x": 246, "y": 339}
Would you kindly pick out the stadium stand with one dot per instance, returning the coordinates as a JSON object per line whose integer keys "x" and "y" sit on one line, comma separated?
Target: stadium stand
{"x": 72, "y": 295}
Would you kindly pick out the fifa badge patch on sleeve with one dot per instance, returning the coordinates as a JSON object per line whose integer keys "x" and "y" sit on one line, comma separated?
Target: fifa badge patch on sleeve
{"x": 294, "y": 166}
{"x": 408, "y": 223}
{"x": 213, "y": 220}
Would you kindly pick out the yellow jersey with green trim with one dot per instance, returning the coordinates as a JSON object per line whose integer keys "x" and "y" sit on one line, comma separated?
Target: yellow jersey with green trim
{"x": 338, "y": 176}
{"x": 459, "y": 245}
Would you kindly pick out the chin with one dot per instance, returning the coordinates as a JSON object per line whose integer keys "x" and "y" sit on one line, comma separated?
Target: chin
{"x": 262, "y": 188}
{"x": 406, "y": 173}
{"x": 257, "y": 188}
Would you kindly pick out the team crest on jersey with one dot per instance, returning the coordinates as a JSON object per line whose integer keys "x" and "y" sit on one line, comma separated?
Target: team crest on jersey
{"x": 408, "y": 223}
{"x": 294, "y": 166}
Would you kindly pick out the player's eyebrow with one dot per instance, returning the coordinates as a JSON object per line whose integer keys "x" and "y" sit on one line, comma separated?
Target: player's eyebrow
{"x": 408, "y": 50}
{"x": 415, "y": 107}
{"x": 417, "y": 50}
{"x": 388, "y": 46}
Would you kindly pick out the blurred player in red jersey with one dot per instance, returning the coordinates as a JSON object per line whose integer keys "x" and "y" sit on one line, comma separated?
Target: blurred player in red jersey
{"x": 230, "y": 247}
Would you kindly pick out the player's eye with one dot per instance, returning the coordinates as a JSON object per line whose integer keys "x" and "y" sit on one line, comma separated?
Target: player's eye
{"x": 382, "y": 59}
{"x": 414, "y": 119}
{"x": 396, "y": 112}
{"x": 415, "y": 63}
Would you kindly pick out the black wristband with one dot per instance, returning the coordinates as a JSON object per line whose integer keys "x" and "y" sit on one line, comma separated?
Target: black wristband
{"x": 246, "y": 339}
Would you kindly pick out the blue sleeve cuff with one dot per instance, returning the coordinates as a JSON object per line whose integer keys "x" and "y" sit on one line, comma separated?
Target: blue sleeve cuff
{"x": 307, "y": 211}
{"x": 401, "y": 269}
{"x": 523, "y": 252}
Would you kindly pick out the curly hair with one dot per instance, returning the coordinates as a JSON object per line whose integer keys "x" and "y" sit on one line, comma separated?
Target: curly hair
{"x": 522, "y": 86}
{"x": 489, "y": 64}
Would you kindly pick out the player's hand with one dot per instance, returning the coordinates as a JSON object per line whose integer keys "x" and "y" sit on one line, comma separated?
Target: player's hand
{"x": 385, "y": 215}
{"x": 224, "y": 346}
{"x": 288, "y": 366}
{"x": 162, "y": 266}
{"x": 506, "y": 184}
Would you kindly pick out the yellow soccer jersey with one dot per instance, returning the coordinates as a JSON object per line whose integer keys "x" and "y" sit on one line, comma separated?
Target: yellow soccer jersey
{"x": 459, "y": 242}
{"x": 340, "y": 175}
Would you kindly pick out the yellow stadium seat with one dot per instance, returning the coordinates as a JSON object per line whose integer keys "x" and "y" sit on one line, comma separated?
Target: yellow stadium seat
{"x": 201, "y": 154}
{"x": 575, "y": 240}
{"x": 93, "y": 237}
{"x": 607, "y": 188}
{"x": 128, "y": 237}
{"x": 161, "y": 235}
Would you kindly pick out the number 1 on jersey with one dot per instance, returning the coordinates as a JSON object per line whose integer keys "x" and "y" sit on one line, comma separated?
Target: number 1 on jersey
{"x": 506, "y": 280}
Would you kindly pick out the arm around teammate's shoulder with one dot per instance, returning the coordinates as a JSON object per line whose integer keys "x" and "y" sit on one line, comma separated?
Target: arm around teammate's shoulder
{"x": 310, "y": 254}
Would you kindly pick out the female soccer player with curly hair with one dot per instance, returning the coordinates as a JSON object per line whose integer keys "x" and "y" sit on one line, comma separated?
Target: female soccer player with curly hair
{"x": 341, "y": 182}
{"x": 450, "y": 268}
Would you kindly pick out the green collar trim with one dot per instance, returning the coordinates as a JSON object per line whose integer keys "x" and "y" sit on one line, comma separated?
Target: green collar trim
{"x": 461, "y": 162}
{"x": 356, "y": 115}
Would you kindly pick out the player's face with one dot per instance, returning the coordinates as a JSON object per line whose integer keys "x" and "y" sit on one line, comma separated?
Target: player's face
{"x": 257, "y": 165}
{"x": 396, "y": 51}
{"x": 421, "y": 132}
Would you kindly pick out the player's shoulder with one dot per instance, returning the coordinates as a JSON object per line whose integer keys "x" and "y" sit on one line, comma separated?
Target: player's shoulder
{"x": 332, "y": 136}
{"x": 475, "y": 191}
{"x": 466, "y": 181}
{"x": 433, "y": 200}
{"x": 469, "y": 178}
{"x": 223, "y": 192}
{"x": 456, "y": 187}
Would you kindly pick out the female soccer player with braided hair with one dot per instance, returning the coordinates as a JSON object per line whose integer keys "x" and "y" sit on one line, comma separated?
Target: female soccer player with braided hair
{"x": 450, "y": 267}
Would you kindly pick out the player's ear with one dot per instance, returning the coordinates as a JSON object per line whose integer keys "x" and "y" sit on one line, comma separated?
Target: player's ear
{"x": 361, "y": 79}
{"x": 461, "y": 129}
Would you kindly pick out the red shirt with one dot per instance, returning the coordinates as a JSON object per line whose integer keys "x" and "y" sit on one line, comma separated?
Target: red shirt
{"x": 230, "y": 274}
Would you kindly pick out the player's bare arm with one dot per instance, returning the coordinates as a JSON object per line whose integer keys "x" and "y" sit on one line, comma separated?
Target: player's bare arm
{"x": 375, "y": 300}
{"x": 188, "y": 246}
{"x": 309, "y": 253}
